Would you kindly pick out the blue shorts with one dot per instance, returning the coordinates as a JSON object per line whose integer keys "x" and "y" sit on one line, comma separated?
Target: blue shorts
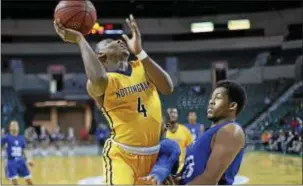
{"x": 17, "y": 168}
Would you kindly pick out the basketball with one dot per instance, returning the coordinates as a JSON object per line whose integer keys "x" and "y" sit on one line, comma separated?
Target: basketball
{"x": 79, "y": 15}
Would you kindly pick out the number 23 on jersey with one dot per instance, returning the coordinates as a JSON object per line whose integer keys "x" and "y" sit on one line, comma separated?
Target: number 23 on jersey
{"x": 141, "y": 108}
{"x": 189, "y": 167}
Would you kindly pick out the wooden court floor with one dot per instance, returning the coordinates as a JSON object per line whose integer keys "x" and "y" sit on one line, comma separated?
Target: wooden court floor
{"x": 257, "y": 168}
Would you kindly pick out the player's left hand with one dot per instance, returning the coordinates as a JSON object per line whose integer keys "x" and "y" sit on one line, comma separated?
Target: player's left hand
{"x": 30, "y": 163}
{"x": 67, "y": 34}
{"x": 172, "y": 180}
{"x": 149, "y": 180}
{"x": 134, "y": 44}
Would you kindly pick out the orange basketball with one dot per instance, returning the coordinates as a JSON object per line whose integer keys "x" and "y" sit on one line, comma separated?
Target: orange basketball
{"x": 79, "y": 15}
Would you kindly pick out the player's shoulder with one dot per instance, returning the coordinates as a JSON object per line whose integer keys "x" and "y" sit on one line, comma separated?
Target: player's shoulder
{"x": 5, "y": 136}
{"x": 135, "y": 63}
{"x": 21, "y": 137}
{"x": 113, "y": 75}
{"x": 183, "y": 127}
{"x": 118, "y": 75}
{"x": 233, "y": 129}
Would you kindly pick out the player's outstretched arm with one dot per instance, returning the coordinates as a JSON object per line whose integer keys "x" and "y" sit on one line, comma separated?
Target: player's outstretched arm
{"x": 227, "y": 144}
{"x": 166, "y": 163}
{"x": 155, "y": 73}
{"x": 95, "y": 71}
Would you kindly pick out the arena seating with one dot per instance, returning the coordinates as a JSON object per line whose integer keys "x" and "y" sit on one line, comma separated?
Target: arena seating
{"x": 285, "y": 57}
{"x": 12, "y": 107}
{"x": 256, "y": 95}
{"x": 188, "y": 60}
{"x": 284, "y": 113}
{"x": 187, "y": 98}
{"x": 282, "y": 129}
{"x": 76, "y": 84}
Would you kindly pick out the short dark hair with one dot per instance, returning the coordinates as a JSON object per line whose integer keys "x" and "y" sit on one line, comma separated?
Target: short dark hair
{"x": 236, "y": 93}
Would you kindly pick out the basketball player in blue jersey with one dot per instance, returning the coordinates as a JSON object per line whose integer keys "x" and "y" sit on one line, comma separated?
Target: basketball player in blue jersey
{"x": 195, "y": 128}
{"x": 216, "y": 156}
{"x": 16, "y": 164}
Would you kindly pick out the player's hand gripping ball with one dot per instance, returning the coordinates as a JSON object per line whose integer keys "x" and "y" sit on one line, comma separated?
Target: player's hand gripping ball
{"x": 78, "y": 15}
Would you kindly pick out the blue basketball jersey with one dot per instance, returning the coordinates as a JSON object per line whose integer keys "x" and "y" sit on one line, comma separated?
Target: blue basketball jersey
{"x": 15, "y": 146}
{"x": 198, "y": 154}
{"x": 194, "y": 130}
{"x": 15, "y": 164}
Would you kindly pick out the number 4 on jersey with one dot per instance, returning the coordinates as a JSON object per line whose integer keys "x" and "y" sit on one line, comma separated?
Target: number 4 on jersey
{"x": 141, "y": 108}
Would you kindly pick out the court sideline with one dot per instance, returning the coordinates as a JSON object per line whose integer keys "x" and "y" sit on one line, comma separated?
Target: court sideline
{"x": 257, "y": 168}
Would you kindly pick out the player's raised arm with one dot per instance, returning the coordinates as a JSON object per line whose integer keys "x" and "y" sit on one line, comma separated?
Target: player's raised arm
{"x": 226, "y": 145}
{"x": 95, "y": 71}
{"x": 155, "y": 73}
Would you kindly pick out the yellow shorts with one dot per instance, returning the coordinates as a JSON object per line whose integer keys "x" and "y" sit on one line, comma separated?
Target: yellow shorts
{"x": 122, "y": 167}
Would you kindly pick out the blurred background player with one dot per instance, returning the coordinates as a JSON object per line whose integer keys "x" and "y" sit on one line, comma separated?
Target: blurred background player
{"x": 56, "y": 138}
{"x": 44, "y": 141}
{"x": 32, "y": 140}
{"x": 71, "y": 141}
{"x": 178, "y": 133}
{"x": 101, "y": 134}
{"x": 131, "y": 91}
{"x": 16, "y": 158}
{"x": 196, "y": 129}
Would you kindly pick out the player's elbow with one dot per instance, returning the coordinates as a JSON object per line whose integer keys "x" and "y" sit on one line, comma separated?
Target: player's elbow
{"x": 167, "y": 90}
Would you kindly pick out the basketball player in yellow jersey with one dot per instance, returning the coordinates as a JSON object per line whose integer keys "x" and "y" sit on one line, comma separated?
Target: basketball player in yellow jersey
{"x": 127, "y": 94}
{"x": 179, "y": 133}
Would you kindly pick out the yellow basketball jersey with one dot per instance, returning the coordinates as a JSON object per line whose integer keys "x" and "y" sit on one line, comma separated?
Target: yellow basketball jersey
{"x": 183, "y": 137}
{"x": 132, "y": 107}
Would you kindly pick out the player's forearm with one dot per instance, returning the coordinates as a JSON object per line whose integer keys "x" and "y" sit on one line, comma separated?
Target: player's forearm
{"x": 167, "y": 160}
{"x": 95, "y": 71}
{"x": 158, "y": 76}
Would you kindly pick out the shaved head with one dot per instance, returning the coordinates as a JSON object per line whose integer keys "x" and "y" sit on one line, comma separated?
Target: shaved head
{"x": 101, "y": 46}
{"x": 113, "y": 54}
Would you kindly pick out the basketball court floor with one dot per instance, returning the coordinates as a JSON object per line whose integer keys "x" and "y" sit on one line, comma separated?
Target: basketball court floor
{"x": 257, "y": 168}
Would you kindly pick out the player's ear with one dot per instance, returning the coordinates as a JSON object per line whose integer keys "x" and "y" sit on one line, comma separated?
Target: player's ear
{"x": 233, "y": 106}
{"x": 102, "y": 57}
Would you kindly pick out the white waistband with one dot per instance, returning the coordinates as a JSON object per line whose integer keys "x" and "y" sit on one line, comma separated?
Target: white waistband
{"x": 139, "y": 150}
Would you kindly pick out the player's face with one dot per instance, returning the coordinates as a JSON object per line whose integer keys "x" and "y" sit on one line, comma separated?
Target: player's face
{"x": 192, "y": 117}
{"x": 218, "y": 106}
{"x": 14, "y": 128}
{"x": 173, "y": 114}
{"x": 113, "y": 53}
